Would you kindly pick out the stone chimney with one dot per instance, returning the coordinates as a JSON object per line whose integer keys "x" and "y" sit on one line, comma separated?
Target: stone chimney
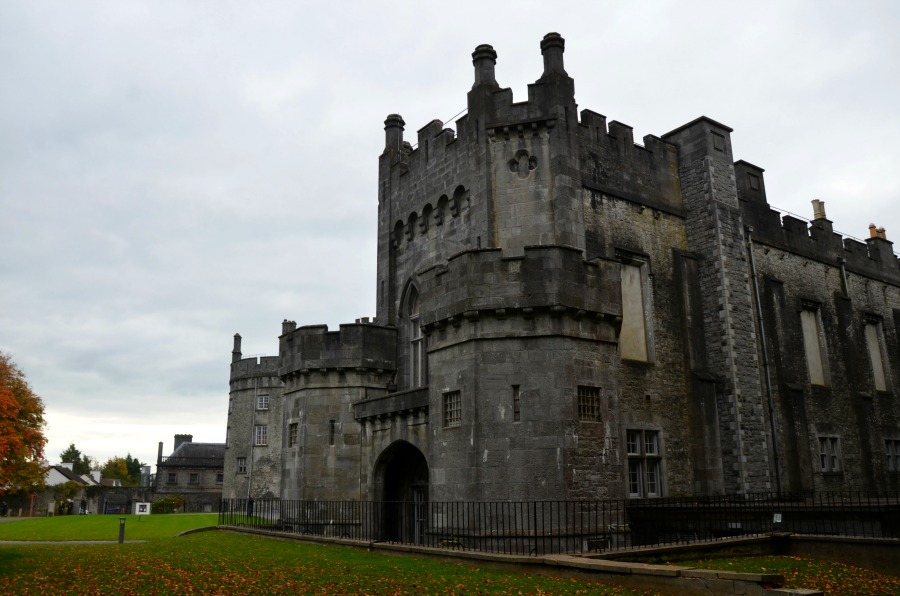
{"x": 181, "y": 439}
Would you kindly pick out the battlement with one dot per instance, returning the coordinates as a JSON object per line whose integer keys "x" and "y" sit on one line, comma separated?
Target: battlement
{"x": 359, "y": 346}
{"x": 255, "y": 366}
{"x": 814, "y": 239}
{"x": 553, "y": 277}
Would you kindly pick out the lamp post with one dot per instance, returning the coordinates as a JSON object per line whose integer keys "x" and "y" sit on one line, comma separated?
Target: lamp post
{"x": 121, "y": 530}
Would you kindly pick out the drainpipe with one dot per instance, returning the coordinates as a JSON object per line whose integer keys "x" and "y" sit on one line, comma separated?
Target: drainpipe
{"x": 765, "y": 359}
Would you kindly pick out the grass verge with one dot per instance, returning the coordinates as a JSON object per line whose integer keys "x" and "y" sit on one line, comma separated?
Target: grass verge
{"x": 799, "y": 572}
{"x": 104, "y": 527}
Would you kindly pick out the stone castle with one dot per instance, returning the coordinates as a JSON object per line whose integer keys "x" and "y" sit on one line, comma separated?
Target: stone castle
{"x": 562, "y": 313}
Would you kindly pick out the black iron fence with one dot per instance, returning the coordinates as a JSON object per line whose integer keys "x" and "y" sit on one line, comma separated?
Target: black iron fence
{"x": 545, "y": 527}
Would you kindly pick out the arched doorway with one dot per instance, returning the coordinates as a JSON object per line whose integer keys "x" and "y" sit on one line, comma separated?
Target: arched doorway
{"x": 401, "y": 483}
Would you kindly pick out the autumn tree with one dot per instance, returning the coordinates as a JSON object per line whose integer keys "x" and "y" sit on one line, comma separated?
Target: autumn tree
{"x": 22, "y": 437}
{"x": 117, "y": 468}
{"x": 81, "y": 463}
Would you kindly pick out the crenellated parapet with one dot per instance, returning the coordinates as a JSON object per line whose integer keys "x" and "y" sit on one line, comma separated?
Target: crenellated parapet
{"x": 612, "y": 164}
{"x": 356, "y": 346}
{"x": 254, "y": 367}
{"x": 814, "y": 239}
{"x": 552, "y": 279}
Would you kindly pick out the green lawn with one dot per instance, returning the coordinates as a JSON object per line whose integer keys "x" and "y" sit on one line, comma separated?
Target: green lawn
{"x": 224, "y": 563}
{"x": 104, "y": 527}
{"x": 220, "y": 562}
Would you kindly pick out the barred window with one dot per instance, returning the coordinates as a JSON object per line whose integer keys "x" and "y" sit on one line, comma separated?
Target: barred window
{"x": 517, "y": 414}
{"x": 644, "y": 463}
{"x": 262, "y": 402}
{"x": 292, "y": 434}
{"x": 452, "y": 409}
{"x": 892, "y": 450}
{"x": 261, "y": 435}
{"x": 588, "y": 404}
{"x": 241, "y": 465}
{"x": 830, "y": 454}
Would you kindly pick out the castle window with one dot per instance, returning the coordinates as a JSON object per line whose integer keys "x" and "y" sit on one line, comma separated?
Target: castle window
{"x": 644, "y": 463}
{"x": 517, "y": 415}
{"x": 892, "y": 455}
{"x": 262, "y": 402}
{"x": 417, "y": 362}
{"x": 331, "y": 429}
{"x": 452, "y": 409}
{"x": 241, "y": 465}
{"x": 813, "y": 344}
{"x": 292, "y": 434}
{"x": 875, "y": 346}
{"x": 172, "y": 478}
{"x": 830, "y": 454}
{"x": 634, "y": 336}
{"x": 220, "y": 478}
{"x": 589, "y": 404}
{"x": 261, "y": 435}
{"x": 194, "y": 478}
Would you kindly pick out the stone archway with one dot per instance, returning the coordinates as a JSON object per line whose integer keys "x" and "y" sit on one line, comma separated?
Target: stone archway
{"x": 401, "y": 482}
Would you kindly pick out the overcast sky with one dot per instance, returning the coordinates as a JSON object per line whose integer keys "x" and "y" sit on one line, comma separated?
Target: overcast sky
{"x": 172, "y": 173}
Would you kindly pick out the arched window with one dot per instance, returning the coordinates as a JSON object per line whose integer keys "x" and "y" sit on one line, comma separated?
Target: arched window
{"x": 417, "y": 363}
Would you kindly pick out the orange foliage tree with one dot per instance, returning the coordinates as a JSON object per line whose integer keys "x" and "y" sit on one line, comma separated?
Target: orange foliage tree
{"x": 21, "y": 431}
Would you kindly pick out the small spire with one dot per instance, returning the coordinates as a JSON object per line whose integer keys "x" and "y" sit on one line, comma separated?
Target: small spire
{"x": 552, "y": 47}
{"x": 236, "y": 352}
{"x": 393, "y": 132}
{"x": 485, "y": 59}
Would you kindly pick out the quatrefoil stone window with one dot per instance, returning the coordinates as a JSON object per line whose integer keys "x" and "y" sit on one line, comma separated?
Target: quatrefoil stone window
{"x": 522, "y": 164}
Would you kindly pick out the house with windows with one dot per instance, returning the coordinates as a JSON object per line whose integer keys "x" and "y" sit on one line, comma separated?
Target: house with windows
{"x": 193, "y": 470}
{"x": 563, "y": 313}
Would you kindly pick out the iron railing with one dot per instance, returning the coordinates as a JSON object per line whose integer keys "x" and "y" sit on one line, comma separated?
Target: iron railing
{"x": 546, "y": 527}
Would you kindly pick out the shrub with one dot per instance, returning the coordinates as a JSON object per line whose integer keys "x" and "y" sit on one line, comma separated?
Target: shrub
{"x": 170, "y": 504}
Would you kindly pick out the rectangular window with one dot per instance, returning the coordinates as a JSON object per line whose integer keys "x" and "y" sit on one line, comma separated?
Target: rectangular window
{"x": 633, "y": 344}
{"x": 517, "y": 414}
{"x": 220, "y": 478}
{"x": 172, "y": 478}
{"x": 892, "y": 452}
{"x": 644, "y": 463}
{"x": 262, "y": 402}
{"x": 331, "y": 429}
{"x": 292, "y": 434}
{"x": 261, "y": 435}
{"x": 813, "y": 344}
{"x": 194, "y": 478}
{"x": 830, "y": 454}
{"x": 589, "y": 404}
{"x": 874, "y": 344}
{"x": 241, "y": 465}
{"x": 452, "y": 409}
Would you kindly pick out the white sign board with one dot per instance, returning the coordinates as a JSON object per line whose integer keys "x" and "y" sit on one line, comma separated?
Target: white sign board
{"x": 142, "y": 508}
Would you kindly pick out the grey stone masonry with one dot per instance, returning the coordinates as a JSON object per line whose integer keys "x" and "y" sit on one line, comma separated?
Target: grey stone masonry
{"x": 715, "y": 229}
